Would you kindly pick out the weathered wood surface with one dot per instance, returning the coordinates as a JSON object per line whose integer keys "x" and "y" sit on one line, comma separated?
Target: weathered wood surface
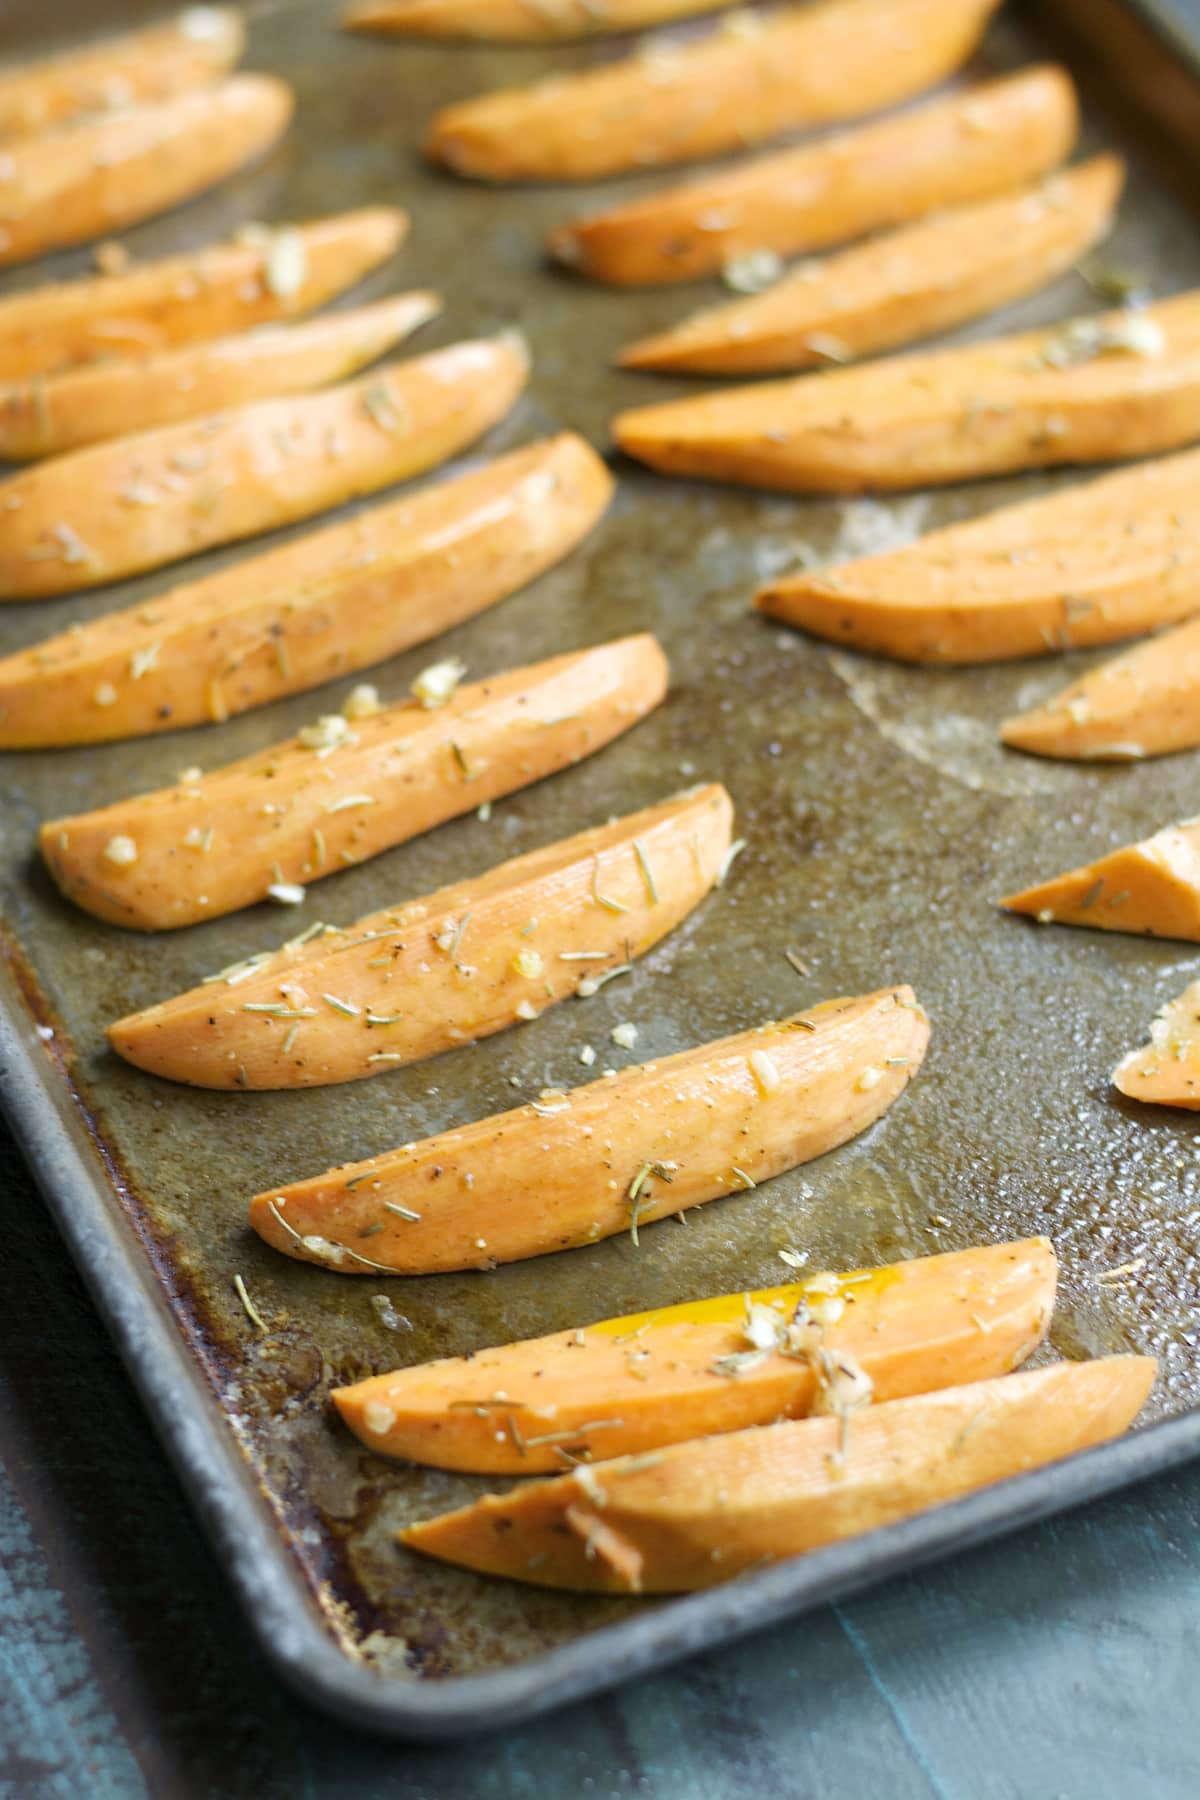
{"x": 1060, "y": 1665}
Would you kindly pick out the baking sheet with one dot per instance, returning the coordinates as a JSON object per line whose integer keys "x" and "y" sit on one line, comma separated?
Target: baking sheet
{"x": 883, "y": 818}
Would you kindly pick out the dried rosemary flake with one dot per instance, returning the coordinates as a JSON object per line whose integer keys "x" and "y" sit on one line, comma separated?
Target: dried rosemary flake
{"x": 384, "y": 409}
{"x": 604, "y": 900}
{"x": 797, "y": 961}
{"x": 351, "y": 800}
{"x": 347, "y": 1008}
{"x": 746, "y": 1180}
{"x": 647, "y": 871}
{"x": 251, "y": 1311}
{"x": 591, "y": 984}
{"x": 731, "y": 855}
{"x": 401, "y": 1212}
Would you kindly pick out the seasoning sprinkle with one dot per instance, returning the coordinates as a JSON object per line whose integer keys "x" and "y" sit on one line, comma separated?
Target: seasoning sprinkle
{"x": 647, "y": 871}
{"x": 252, "y": 1312}
{"x": 402, "y": 1212}
{"x": 731, "y": 855}
{"x": 604, "y": 900}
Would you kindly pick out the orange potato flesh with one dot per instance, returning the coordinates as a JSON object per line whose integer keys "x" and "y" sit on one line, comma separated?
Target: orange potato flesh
{"x": 1086, "y": 565}
{"x": 1144, "y": 703}
{"x": 906, "y": 284}
{"x": 428, "y": 975}
{"x": 105, "y": 174}
{"x": 139, "y": 502}
{"x": 314, "y": 610}
{"x": 190, "y": 50}
{"x": 519, "y": 21}
{"x": 1166, "y": 1071}
{"x": 751, "y": 79}
{"x": 967, "y": 147}
{"x": 944, "y": 415}
{"x": 698, "y": 1513}
{"x": 294, "y": 814}
{"x": 677, "y": 1132}
{"x": 1152, "y": 887}
{"x": 268, "y": 274}
{"x": 631, "y": 1385}
{"x": 51, "y": 414}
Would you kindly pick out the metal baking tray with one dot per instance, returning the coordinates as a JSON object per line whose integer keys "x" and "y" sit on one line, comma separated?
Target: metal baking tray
{"x": 883, "y": 817}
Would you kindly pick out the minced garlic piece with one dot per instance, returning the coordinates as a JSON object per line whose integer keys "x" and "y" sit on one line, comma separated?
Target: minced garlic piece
{"x": 525, "y": 1009}
{"x": 765, "y": 1073}
{"x": 329, "y": 732}
{"x": 378, "y": 1418}
{"x": 625, "y": 1036}
{"x": 362, "y": 702}
{"x": 871, "y": 1077}
{"x": 286, "y": 264}
{"x": 105, "y": 694}
{"x": 286, "y": 893}
{"x": 753, "y": 271}
{"x": 121, "y": 850}
{"x": 528, "y": 963}
{"x": 434, "y": 685}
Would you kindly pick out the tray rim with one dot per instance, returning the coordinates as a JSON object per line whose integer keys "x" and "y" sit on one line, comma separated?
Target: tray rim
{"x": 218, "y": 1478}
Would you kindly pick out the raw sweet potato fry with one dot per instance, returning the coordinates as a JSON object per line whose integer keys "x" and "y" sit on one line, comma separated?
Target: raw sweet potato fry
{"x": 698, "y": 1513}
{"x": 456, "y": 965}
{"x": 138, "y": 502}
{"x": 625, "y": 1150}
{"x": 194, "y": 48}
{"x": 1086, "y": 565}
{"x": 1167, "y": 1070}
{"x": 518, "y": 21}
{"x": 1144, "y": 703}
{"x": 52, "y": 414}
{"x": 635, "y": 1384}
{"x": 346, "y": 789}
{"x": 754, "y": 77}
{"x": 967, "y": 147}
{"x": 105, "y": 174}
{"x": 1151, "y": 887}
{"x": 1114, "y": 385}
{"x": 267, "y": 273}
{"x": 313, "y": 610}
{"x": 903, "y": 285}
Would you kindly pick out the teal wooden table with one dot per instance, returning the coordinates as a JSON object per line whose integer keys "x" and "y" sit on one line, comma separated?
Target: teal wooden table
{"x": 1062, "y": 1664}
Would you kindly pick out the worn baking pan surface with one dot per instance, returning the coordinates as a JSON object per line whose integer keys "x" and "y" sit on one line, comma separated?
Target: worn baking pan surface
{"x": 883, "y": 819}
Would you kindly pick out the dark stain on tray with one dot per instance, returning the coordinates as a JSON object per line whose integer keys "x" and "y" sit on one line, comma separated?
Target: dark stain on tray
{"x": 883, "y": 818}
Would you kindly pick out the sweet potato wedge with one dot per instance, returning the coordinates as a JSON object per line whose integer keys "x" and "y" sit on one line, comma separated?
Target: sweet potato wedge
{"x": 1086, "y": 565}
{"x": 105, "y": 174}
{"x": 903, "y": 285}
{"x": 341, "y": 792}
{"x": 1167, "y": 1070}
{"x": 1113, "y": 385}
{"x": 139, "y": 502}
{"x": 625, "y": 1150}
{"x": 697, "y": 1513}
{"x": 1143, "y": 703}
{"x": 52, "y": 414}
{"x": 194, "y": 48}
{"x": 313, "y": 610}
{"x": 966, "y": 147}
{"x": 441, "y": 971}
{"x": 630, "y": 1385}
{"x": 518, "y": 21}
{"x": 754, "y": 77}
{"x": 1151, "y": 887}
{"x": 268, "y": 273}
